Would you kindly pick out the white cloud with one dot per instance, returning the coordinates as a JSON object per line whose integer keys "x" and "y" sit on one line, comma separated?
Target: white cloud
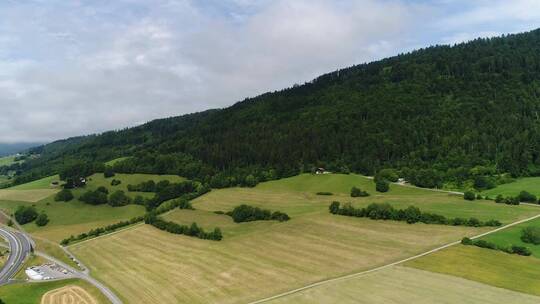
{"x": 76, "y": 67}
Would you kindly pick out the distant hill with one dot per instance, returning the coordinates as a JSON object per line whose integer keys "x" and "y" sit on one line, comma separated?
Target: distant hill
{"x": 440, "y": 114}
{"x": 10, "y": 149}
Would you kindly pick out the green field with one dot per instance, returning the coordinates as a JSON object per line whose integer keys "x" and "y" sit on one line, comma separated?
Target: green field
{"x": 75, "y": 217}
{"x": 397, "y": 285}
{"x": 512, "y": 236}
{"x": 31, "y": 293}
{"x": 487, "y": 266}
{"x": 297, "y": 195}
{"x": 529, "y": 184}
{"x": 44, "y": 183}
{"x": 259, "y": 259}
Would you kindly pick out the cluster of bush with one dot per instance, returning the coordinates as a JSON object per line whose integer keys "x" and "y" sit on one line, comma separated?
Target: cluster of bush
{"x": 101, "y": 230}
{"x": 523, "y": 196}
{"x": 148, "y": 186}
{"x": 246, "y": 213}
{"x": 410, "y": 215}
{"x": 383, "y": 178}
{"x": 357, "y": 192}
{"x": 194, "y": 230}
{"x": 65, "y": 195}
{"x": 531, "y": 235}
{"x": 115, "y": 182}
{"x": 27, "y": 214}
{"x": 108, "y": 172}
{"x": 101, "y": 196}
{"x": 325, "y": 193}
{"x": 513, "y": 249}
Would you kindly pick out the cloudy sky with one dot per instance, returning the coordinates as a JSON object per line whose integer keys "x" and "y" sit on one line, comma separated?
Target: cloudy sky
{"x": 78, "y": 67}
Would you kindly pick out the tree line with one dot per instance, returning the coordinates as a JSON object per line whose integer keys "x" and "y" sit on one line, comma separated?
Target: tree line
{"x": 411, "y": 215}
{"x": 512, "y": 249}
{"x": 193, "y": 230}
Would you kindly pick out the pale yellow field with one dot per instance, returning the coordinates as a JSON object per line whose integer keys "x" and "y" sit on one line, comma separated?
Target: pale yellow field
{"x": 146, "y": 265}
{"x": 30, "y": 196}
{"x": 398, "y": 285}
{"x": 68, "y": 295}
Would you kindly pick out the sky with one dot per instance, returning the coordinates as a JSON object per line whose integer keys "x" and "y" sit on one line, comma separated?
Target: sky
{"x": 77, "y": 67}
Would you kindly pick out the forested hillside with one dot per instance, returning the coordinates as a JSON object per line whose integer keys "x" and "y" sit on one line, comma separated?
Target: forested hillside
{"x": 438, "y": 114}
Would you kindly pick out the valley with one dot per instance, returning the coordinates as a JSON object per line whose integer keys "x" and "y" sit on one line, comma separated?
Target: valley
{"x": 259, "y": 259}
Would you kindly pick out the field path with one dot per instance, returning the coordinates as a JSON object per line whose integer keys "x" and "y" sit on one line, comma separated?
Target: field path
{"x": 362, "y": 273}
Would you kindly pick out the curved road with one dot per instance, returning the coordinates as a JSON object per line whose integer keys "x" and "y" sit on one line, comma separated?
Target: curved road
{"x": 19, "y": 247}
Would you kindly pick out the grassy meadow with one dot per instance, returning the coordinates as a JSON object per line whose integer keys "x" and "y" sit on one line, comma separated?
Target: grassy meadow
{"x": 259, "y": 259}
{"x": 397, "y": 285}
{"x": 487, "y": 266}
{"x": 31, "y": 293}
{"x": 31, "y": 196}
{"x": 75, "y": 217}
{"x": 529, "y": 184}
{"x": 512, "y": 236}
{"x": 297, "y": 195}
{"x": 44, "y": 183}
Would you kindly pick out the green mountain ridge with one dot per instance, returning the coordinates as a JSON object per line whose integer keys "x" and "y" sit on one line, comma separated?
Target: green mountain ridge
{"x": 435, "y": 113}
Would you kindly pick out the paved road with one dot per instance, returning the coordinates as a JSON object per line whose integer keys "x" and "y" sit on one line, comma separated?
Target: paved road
{"x": 84, "y": 276}
{"x": 19, "y": 246}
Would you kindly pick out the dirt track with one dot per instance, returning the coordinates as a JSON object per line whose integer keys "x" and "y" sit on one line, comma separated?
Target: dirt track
{"x": 68, "y": 295}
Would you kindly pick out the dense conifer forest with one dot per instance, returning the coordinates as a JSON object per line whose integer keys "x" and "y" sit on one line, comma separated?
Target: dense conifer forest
{"x": 440, "y": 114}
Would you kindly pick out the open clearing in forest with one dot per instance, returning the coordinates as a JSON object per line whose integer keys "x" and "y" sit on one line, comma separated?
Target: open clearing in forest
{"x": 529, "y": 184}
{"x": 32, "y": 293}
{"x": 487, "y": 266}
{"x": 68, "y": 295}
{"x": 8, "y": 160}
{"x": 260, "y": 259}
{"x": 98, "y": 180}
{"x": 397, "y": 285}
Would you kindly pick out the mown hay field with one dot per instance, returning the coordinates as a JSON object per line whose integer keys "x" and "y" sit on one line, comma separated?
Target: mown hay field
{"x": 31, "y": 196}
{"x": 148, "y": 265}
{"x": 398, "y": 285}
{"x": 259, "y": 259}
{"x": 487, "y": 266}
{"x": 70, "y": 294}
